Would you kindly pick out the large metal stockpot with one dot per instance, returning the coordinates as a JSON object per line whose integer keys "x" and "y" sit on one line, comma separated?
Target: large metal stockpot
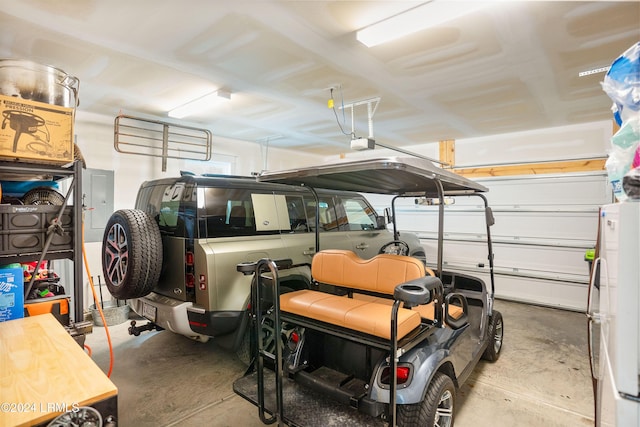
{"x": 36, "y": 82}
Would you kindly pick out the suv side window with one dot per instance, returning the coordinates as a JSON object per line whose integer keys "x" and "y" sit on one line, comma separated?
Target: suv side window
{"x": 340, "y": 213}
{"x": 298, "y": 218}
{"x": 359, "y": 215}
{"x": 225, "y": 212}
{"x": 329, "y": 220}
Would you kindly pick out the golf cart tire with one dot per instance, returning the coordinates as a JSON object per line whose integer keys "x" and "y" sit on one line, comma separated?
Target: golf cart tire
{"x": 131, "y": 254}
{"x": 496, "y": 324}
{"x": 425, "y": 412}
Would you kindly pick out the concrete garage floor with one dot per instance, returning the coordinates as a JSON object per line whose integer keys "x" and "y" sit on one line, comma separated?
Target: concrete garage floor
{"x": 541, "y": 379}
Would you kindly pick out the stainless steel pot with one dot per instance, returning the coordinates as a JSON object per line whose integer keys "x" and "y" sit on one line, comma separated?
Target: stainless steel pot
{"x": 37, "y": 82}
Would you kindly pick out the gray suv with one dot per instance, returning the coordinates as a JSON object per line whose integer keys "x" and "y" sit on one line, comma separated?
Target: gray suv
{"x": 174, "y": 257}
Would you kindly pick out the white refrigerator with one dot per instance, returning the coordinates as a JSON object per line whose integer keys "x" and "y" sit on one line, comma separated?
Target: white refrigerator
{"x": 614, "y": 319}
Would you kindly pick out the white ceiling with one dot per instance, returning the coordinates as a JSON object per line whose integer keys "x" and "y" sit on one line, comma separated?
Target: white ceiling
{"x": 512, "y": 66}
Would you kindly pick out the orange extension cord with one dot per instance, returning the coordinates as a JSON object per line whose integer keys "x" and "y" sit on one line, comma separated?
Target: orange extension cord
{"x": 95, "y": 300}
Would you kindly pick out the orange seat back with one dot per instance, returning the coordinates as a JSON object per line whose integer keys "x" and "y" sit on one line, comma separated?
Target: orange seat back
{"x": 381, "y": 273}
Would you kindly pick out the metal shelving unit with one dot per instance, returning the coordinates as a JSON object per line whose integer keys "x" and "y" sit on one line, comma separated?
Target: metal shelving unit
{"x": 26, "y": 240}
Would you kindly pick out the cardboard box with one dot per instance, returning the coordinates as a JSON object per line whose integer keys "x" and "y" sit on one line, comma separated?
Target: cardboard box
{"x": 35, "y": 131}
{"x": 11, "y": 294}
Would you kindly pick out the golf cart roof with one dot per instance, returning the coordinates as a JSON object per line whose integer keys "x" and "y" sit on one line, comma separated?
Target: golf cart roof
{"x": 392, "y": 175}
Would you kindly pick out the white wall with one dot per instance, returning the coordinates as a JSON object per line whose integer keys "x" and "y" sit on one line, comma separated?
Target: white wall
{"x": 95, "y": 136}
{"x": 582, "y": 141}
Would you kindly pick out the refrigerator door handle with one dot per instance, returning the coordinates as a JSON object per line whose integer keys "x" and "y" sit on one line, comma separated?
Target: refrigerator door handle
{"x": 629, "y": 396}
{"x": 592, "y": 286}
{"x": 594, "y": 318}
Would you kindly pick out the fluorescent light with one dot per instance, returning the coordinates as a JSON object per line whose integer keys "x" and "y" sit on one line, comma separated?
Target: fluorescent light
{"x": 199, "y": 104}
{"x": 420, "y": 17}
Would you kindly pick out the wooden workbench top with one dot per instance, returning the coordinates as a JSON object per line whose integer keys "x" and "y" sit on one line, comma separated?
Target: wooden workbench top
{"x": 43, "y": 370}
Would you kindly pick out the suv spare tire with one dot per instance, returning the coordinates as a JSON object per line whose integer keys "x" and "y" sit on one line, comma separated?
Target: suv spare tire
{"x": 131, "y": 254}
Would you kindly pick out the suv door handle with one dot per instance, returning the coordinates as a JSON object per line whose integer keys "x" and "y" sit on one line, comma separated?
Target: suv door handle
{"x": 309, "y": 252}
{"x": 362, "y": 246}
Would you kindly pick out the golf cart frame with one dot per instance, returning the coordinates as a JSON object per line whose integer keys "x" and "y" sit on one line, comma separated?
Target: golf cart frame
{"x": 434, "y": 339}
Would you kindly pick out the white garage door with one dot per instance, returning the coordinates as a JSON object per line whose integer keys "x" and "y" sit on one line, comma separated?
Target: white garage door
{"x": 544, "y": 225}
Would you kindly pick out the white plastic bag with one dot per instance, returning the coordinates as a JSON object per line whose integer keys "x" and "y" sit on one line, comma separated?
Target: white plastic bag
{"x": 617, "y": 165}
{"x": 628, "y": 135}
{"x": 622, "y": 83}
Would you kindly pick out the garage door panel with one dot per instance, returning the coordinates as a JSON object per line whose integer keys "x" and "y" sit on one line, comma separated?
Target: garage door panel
{"x": 563, "y": 263}
{"x": 552, "y": 293}
{"x": 587, "y": 189}
{"x": 557, "y": 190}
{"x": 521, "y": 226}
{"x": 554, "y": 226}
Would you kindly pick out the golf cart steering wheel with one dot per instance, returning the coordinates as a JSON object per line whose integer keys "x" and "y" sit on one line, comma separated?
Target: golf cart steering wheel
{"x": 395, "y": 247}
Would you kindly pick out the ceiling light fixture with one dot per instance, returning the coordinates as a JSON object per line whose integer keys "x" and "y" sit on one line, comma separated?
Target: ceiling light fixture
{"x": 418, "y": 18}
{"x": 199, "y": 104}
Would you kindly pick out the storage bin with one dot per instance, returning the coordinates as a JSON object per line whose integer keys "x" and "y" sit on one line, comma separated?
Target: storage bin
{"x": 58, "y": 306}
{"x": 23, "y": 231}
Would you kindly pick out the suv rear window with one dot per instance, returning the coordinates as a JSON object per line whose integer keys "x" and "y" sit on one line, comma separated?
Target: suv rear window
{"x": 172, "y": 206}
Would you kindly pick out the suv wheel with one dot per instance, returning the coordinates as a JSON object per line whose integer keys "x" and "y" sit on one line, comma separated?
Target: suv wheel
{"x": 437, "y": 407}
{"x": 496, "y": 332}
{"x": 131, "y": 254}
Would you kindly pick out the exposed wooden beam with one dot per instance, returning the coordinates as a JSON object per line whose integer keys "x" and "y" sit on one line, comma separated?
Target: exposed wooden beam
{"x": 533, "y": 168}
{"x": 448, "y": 153}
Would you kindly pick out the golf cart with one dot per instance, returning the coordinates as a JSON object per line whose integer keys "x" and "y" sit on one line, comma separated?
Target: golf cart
{"x": 384, "y": 341}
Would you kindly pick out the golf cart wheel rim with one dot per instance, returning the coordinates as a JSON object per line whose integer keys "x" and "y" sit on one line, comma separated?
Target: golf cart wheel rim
{"x": 444, "y": 413}
{"x": 116, "y": 254}
{"x": 497, "y": 337}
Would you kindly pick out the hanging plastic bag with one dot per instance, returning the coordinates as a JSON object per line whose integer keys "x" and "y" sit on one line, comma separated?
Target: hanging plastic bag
{"x": 622, "y": 84}
{"x": 617, "y": 165}
{"x": 628, "y": 135}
